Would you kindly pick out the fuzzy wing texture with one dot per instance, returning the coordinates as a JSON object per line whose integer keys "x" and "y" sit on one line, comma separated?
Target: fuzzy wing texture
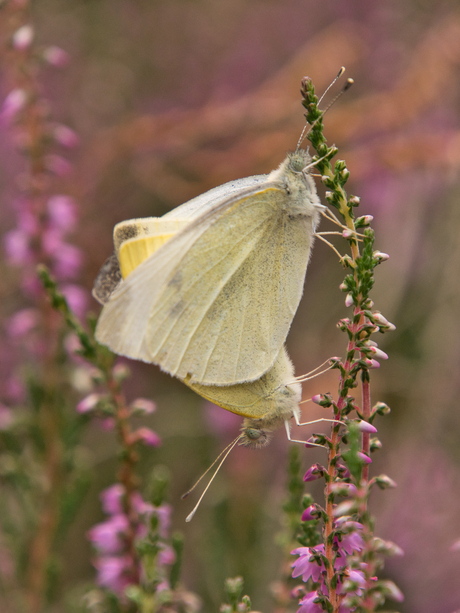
{"x": 216, "y": 301}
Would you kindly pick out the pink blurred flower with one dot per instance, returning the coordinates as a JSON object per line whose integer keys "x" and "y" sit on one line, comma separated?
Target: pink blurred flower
{"x": 106, "y": 537}
{"x": 23, "y": 37}
{"x": 143, "y": 405}
{"x": 112, "y": 572}
{"x": 306, "y": 565}
{"x": 66, "y": 136}
{"x": 112, "y": 499}
{"x": 88, "y": 403}
{"x": 307, "y": 604}
{"x": 77, "y": 299}
{"x": 67, "y": 261}
{"x": 148, "y": 436}
{"x": 17, "y": 247}
{"x": 13, "y": 103}
{"x": 22, "y": 322}
{"x": 56, "y": 56}
{"x": 62, "y": 212}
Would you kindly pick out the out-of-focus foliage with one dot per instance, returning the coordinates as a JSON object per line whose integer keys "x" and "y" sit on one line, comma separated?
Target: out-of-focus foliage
{"x": 173, "y": 97}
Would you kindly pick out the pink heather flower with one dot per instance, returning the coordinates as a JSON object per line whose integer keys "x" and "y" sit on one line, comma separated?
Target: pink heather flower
{"x": 66, "y": 136}
{"x": 143, "y": 405}
{"x": 352, "y": 542}
{"x": 378, "y": 353}
{"x": 89, "y": 403}
{"x": 349, "y": 300}
{"x": 307, "y": 604}
{"x": 166, "y": 556}
{"x": 163, "y": 512}
{"x": 148, "y": 436}
{"x": 17, "y": 247}
{"x": 343, "y": 489}
{"x": 356, "y": 580}
{"x": 77, "y": 298}
{"x": 57, "y": 164}
{"x": 371, "y": 363}
{"x": 112, "y": 499}
{"x": 307, "y": 514}
{"x": 107, "y": 424}
{"x": 314, "y": 472}
{"x": 306, "y": 565}
{"x": 62, "y": 212}
{"x": 106, "y": 536}
{"x": 141, "y": 506}
{"x": 365, "y": 426}
{"x": 6, "y": 417}
{"x": 23, "y": 37}
{"x": 67, "y": 261}
{"x": 317, "y": 398}
{"x": 13, "y": 103}
{"x": 365, "y": 458}
{"x": 22, "y": 322}
{"x": 347, "y": 233}
{"x": 111, "y": 572}
{"x": 56, "y": 56}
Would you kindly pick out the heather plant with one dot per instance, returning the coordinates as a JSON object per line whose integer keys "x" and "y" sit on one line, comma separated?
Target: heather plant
{"x": 339, "y": 564}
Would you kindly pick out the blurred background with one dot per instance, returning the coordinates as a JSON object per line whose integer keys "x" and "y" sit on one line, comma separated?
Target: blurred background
{"x": 172, "y": 97}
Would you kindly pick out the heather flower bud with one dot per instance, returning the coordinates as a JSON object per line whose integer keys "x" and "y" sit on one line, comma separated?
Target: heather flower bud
{"x": 390, "y": 590}
{"x": 354, "y": 201}
{"x": 381, "y": 408}
{"x": 363, "y": 221}
{"x": 143, "y": 405}
{"x": 343, "y": 489}
{"x": 22, "y": 38}
{"x": 387, "y": 548}
{"x": 121, "y": 372}
{"x": 347, "y": 507}
{"x": 348, "y": 233}
{"x": 371, "y": 363}
{"x": 314, "y": 472}
{"x": 343, "y": 287}
{"x": 344, "y": 174}
{"x": 13, "y": 103}
{"x": 365, "y": 426}
{"x": 384, "y": 482}
{"x": 324, "y": 400}
{"x": 380, "y": 256}
{"x": 378, "y": 353}
{"x": 89, "y": 403}
{"x": 364, "y": 458}
{"x": 379, "y": 319}
{"x": 349, "y": 300}
{"x": 147, "y": 436}
{"x": 55, "y": 56}
{"x": 310, "y": 513}
{"x": 65, "y": 136}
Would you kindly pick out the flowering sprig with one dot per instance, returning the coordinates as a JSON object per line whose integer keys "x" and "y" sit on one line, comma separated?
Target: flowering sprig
{"x": 136, "y": 559}
{"x": 43, "y": 475}
{"x": 342, "y": 569}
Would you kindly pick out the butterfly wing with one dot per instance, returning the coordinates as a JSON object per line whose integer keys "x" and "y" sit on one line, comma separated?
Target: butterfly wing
{"x": 217, "y": 300}
{"x": 275, "y": 395}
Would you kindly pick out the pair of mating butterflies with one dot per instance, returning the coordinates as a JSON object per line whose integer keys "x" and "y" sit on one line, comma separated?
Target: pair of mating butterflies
{"x": 209, "y": 290}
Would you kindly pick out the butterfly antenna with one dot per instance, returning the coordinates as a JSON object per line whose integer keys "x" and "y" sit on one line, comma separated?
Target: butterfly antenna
{"x": 313, "y": 373}
{"x": 339, "y": 74}
{"x": 226, "y": 452}
{"x": 345, "y": 88}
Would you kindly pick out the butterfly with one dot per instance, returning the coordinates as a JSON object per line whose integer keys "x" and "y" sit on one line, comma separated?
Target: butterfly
{"x": 209, "y": 290}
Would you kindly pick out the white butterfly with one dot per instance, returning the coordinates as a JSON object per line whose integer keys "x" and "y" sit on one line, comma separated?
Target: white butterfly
{"x": 210, "y": 289}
